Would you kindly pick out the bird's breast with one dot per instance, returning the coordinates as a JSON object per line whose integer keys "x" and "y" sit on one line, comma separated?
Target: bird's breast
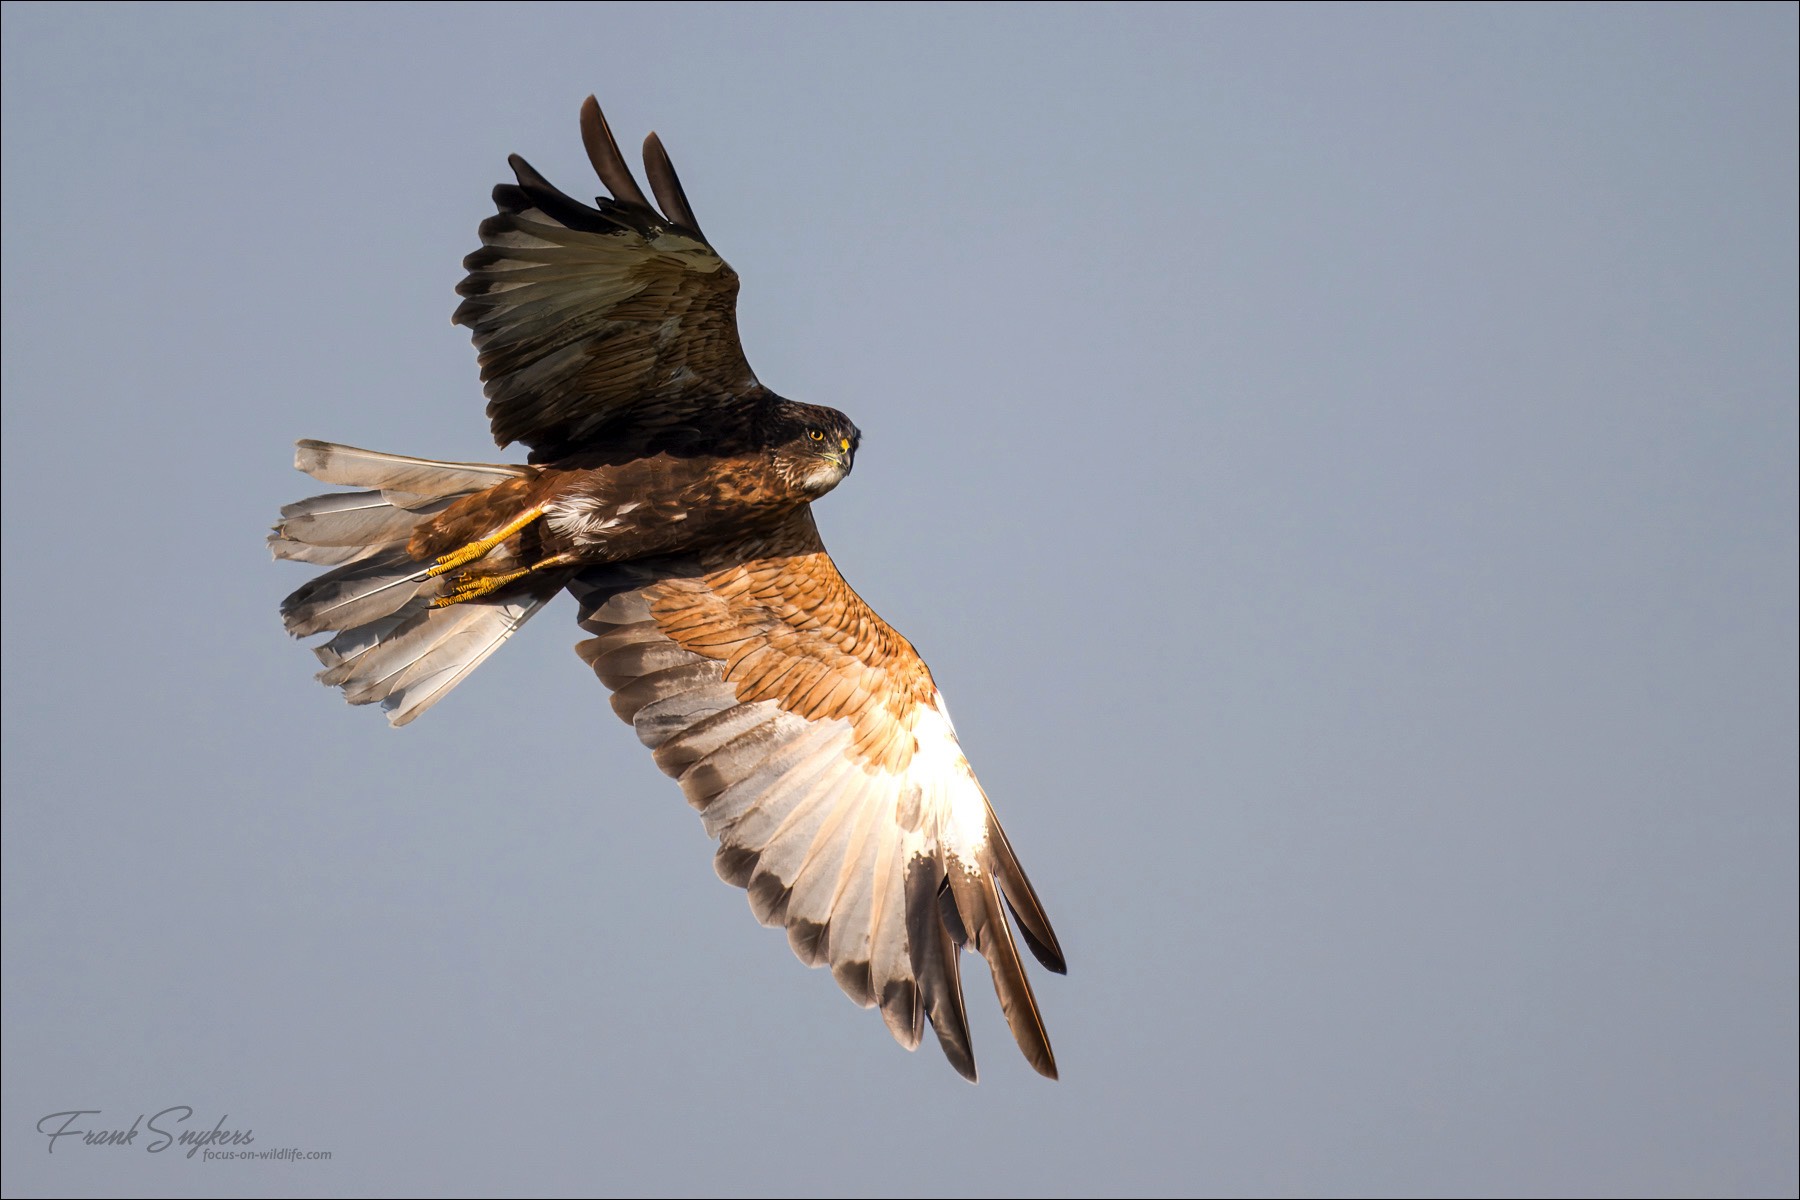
{"x": 662, "y": 505}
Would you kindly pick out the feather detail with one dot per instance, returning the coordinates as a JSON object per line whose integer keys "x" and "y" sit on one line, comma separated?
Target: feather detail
{"x": 391, "y": 645}
{"x": 355, "y": 519}
{"x": 818, "y": 753}
{"x": 355, "y": 594}
{"x": 597, "y": 324}
{"x": 977, "y": 902}
{"x": 933, "y": 953}
{"x": 603, "y": 153}
{"x": 347, "y": 466}
{"x": 667, "y": 186}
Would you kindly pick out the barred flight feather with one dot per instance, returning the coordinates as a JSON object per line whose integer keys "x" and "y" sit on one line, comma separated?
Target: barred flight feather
{"x": 827, "y": 770}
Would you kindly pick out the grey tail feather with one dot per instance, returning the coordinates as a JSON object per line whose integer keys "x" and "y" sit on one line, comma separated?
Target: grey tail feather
{"x": 391, "y": 645}
{"x": 411, "y": 659}
{"x": 348, "y": 466}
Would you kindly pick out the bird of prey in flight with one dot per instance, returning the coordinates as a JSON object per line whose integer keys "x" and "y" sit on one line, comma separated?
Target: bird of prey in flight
{"x": 671, "y": 493}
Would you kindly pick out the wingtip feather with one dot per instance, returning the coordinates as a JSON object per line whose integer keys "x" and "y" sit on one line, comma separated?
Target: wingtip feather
{"x": 667, "y": 186}
{"x": 1022, "y": 899}
{"x": 983, "y": 912}
{"x": 603, "y": 154}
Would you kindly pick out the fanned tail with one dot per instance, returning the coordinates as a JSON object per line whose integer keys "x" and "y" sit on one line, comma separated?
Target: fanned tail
{"x": 392, "y": 645}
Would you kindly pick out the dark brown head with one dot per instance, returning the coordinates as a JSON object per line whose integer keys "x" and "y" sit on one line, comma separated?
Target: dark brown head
{"x": 814, "y": 446}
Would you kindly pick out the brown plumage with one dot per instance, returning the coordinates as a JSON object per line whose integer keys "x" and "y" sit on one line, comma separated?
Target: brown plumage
{"x": 671, "y": 493}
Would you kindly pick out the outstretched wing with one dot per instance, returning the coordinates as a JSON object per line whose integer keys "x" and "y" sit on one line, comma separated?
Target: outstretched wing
{"x": 590, "y": 321}
{"x": 811, "y": 739}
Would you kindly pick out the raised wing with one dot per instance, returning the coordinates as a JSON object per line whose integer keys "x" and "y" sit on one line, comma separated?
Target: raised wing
{"x": 811, "y": 739}
{"x": 594, "y": 322}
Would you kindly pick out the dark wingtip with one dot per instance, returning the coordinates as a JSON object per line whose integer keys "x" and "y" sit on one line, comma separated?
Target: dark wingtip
{"x": 977, "y": 897}
{"x": 1050, "y": 956}
{"x": 603, "y": 153}
{"x": 667, "y": 186}
{"x": 934, "y": 964}
{"x": 534, "y": 191}
{"x": 1021, "y": 898}
{"x": 524, "y": 172}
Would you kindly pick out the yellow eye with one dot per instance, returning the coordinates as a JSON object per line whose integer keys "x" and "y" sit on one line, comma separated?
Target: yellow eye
{"x": 815, "y": 435}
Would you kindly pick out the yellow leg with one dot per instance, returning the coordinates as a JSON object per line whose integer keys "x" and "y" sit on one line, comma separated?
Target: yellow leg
{"x": 470, "y": 589}
{"x": 475, "y": 550}
{"x": 474, "y": 588}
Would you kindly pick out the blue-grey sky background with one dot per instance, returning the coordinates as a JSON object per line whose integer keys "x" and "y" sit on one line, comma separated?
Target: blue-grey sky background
{"x": 1338, "y": 461}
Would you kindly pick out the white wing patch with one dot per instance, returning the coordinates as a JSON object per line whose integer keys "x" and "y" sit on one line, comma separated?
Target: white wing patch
{"x": 954, "y": 804}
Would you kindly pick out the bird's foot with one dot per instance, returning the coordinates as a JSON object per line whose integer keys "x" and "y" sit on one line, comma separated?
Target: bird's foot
{"x": 473, "y": 587}
{"x": 475, "y": 550}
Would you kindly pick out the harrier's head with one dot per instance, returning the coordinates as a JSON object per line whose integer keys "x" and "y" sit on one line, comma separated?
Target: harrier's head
{"x": 815, "y": 447}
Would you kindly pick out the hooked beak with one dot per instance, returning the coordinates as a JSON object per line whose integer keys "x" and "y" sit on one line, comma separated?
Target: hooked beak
{"x": 843, "y": 456}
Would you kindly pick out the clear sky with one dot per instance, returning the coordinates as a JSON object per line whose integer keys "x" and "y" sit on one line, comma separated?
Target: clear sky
{"x": 1339, "y": 463}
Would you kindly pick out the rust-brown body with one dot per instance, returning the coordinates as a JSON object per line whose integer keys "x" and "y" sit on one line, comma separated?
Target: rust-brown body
{"x": 668, "y": 503}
